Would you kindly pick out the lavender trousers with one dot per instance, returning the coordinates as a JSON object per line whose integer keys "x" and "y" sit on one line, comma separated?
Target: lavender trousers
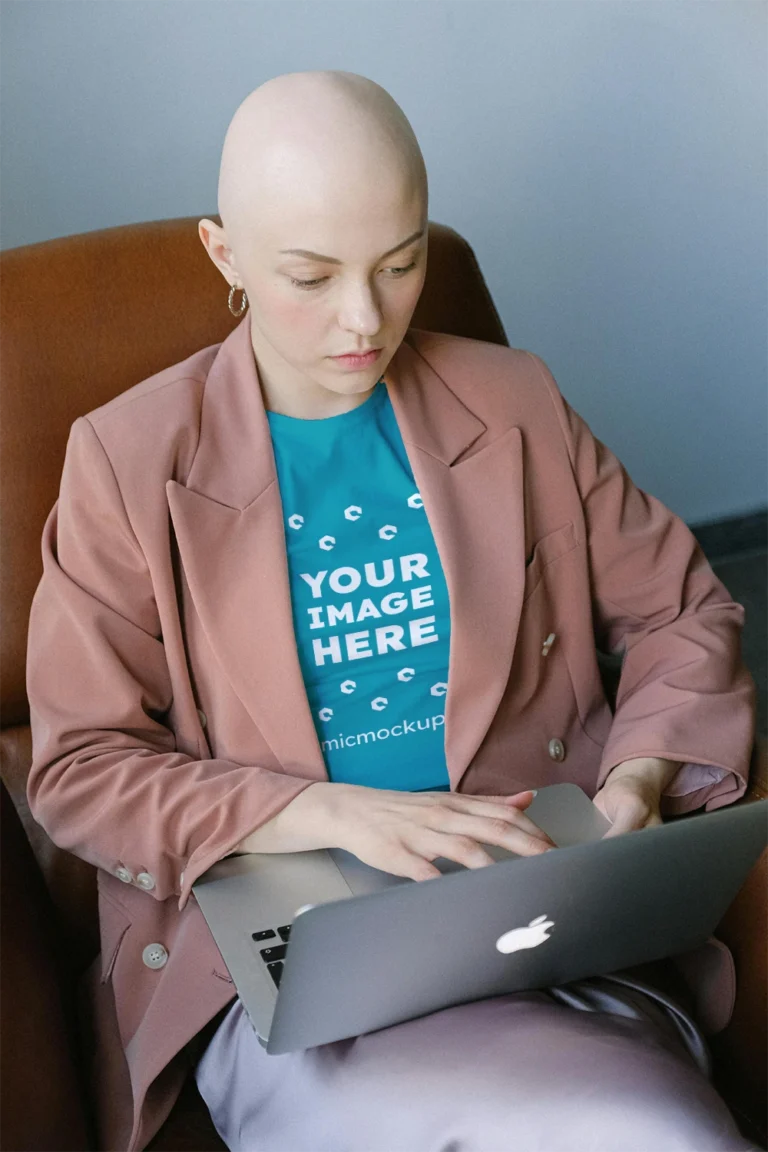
{"x": 600, "y": 1065}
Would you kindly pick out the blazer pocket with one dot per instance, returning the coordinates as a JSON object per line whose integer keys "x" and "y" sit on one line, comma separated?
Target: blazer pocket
{"x": 545, "y": 551}
{"x": 114, "y": 922}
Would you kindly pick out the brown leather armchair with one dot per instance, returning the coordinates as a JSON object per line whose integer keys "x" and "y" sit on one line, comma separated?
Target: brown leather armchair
{"x": 84, "y": 318}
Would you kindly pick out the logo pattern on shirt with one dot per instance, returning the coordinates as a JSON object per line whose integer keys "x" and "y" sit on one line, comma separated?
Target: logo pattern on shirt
{"x": 354, "y": 513}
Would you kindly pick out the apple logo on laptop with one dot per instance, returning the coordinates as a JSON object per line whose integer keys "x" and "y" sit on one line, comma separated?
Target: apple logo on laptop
{"x": 529, "y": 937}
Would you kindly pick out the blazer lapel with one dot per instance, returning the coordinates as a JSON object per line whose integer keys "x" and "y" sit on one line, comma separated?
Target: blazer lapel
{"x": 473, "y": 496}
{"x": 229, "y": 525}
{"x": 228, "y": 520}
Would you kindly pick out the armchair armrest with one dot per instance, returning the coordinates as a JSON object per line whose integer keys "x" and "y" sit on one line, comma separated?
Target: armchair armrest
{"x": 740, "y": 1051}
{"x": 42, "y": 1101}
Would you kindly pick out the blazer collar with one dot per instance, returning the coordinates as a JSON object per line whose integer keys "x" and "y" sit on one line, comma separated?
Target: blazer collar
{"x": 229, "y": 525}
{"x": 234, "y": 462}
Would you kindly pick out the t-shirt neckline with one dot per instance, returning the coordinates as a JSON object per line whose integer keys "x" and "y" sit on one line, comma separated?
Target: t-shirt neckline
{"x": 340, "y": 420}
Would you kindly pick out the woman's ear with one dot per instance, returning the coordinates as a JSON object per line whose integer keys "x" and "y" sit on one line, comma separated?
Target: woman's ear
{"x": 214, "y": 240}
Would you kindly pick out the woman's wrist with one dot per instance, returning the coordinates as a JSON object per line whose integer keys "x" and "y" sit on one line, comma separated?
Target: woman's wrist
{"x": 652, "y": 770}
{"x": 304, "y": 824}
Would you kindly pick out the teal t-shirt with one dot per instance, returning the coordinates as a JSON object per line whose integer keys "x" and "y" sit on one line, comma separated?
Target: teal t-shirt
{"x": 368, "y": 594}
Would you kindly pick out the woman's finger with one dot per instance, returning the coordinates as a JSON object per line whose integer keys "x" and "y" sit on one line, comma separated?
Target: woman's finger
{"x": 463, "y": 849}
{"x": 401, "y": 860}
{"x": 628, "y": 816}
{"x": 516, "y": 799}
{"x": 475, "y": 806}
{"x": 415, "y": 866}
{"x": 519, "y": 799}
{"x": 501, "y": 831}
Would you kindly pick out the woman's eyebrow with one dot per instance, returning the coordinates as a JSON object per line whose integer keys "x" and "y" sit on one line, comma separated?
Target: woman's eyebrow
{"x": 333, "y": 260}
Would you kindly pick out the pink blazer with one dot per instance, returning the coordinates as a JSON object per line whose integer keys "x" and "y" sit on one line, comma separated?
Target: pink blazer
{"x": 169, "y": 714}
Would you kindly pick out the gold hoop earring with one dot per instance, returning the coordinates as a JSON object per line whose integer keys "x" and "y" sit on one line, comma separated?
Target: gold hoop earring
{"x": 243, "y": 304}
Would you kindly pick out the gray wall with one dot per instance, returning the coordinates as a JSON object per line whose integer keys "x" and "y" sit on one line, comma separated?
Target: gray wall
{"x": 606, "y": 160}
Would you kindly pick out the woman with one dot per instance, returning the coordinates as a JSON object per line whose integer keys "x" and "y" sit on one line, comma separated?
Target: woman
{"x": 266, "y": 562}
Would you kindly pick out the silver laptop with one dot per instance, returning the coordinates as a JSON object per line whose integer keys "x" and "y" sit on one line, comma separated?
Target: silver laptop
{"x": 322, "y": 947}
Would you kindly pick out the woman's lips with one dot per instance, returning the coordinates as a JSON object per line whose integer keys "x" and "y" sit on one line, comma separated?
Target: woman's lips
{"x": 358, "y": 361}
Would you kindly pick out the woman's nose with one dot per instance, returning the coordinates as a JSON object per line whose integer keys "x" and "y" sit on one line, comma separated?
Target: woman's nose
{"x": 361, "y": 312}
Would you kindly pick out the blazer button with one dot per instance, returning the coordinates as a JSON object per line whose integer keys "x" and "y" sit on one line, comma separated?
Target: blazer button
{"x": 202, "y": 718}
{"x": 548, "y": 643}
{"x": 155, "y": 956}
{"x": 123, "y": 874}
{"x": 146, "y": 881}
{"x": 557, "y": 750}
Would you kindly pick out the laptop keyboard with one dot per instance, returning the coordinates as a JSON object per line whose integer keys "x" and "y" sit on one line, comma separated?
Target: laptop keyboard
{"x": 273, "y": 955}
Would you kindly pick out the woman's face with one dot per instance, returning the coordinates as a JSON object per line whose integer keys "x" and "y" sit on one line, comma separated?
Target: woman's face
{"x": 355, "y": 293}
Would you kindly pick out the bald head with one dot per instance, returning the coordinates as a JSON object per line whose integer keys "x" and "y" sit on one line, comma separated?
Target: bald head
{"x": 323, "y": 201}
{"x": 306, "y": 143}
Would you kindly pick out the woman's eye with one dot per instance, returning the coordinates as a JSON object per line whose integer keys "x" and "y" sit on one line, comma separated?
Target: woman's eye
{"x": 309, "y": 285}
{"x": 306, "y": 283}
{"x": 402, "y": 271}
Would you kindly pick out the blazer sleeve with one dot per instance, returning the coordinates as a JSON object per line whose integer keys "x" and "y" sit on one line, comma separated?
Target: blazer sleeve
{"x": 106, "y": 781}
{"x": 685, "y": 693}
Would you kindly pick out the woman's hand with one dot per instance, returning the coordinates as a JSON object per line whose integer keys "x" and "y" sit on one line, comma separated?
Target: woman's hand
{"x": 631, "y": 795}
{"x": 401, "y": 832}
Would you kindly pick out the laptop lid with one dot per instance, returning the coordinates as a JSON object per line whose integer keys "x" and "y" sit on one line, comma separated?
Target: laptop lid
{"x": 371, "y": 961}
